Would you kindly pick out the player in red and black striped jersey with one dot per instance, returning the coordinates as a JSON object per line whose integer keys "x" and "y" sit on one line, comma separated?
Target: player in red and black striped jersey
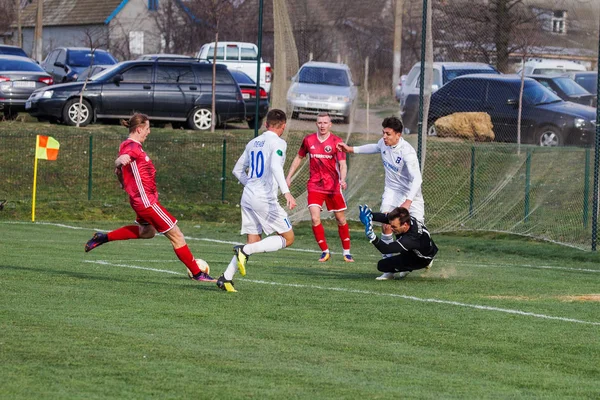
{"x": 327, "y": 166}
{"x": 136, "y": 173}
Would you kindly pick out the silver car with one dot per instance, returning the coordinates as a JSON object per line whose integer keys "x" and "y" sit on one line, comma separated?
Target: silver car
{"x": 322, "y": 86}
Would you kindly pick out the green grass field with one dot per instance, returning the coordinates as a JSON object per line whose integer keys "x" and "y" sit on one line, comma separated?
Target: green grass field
{"x": 496, "y": 317}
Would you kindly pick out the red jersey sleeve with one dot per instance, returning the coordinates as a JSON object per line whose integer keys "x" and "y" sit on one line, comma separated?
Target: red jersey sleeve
{"x": 303, "y": 151}
{"x": 339, "y": 155}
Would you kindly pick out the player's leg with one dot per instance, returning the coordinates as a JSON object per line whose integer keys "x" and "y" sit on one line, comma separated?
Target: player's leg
{"x": 142, "y": 230}
{"x": 393, "y": 264}
{"x": 315, "y": 201}
{"x": 337, "y": 204}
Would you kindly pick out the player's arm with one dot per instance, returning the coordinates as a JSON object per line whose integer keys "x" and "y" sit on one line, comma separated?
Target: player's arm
{"x": 412, "y": 164}
{"x": 293, "y": 168}
{"x": 277, "y": 170}
{"x": 389, "y": 248}
{"x": 381, "y": 218}
{"x": 119, "y": 174}
{"x": 371, "y": 148}
{"x": 239, "y": 171}
{"x": 343, "y": 173}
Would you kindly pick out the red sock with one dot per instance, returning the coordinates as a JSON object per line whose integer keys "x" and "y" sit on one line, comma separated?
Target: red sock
{"x": 320, "y": 236}
{"x": 124, "y": 233}
{"x": 186, "y": 257}
{"x": 344, "y": 232}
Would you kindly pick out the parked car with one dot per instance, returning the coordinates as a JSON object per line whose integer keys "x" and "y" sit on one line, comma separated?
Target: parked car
{"x": 322, "y": 86}
{"x": 163, "y": 56}
{"x": 240, "y": 56}
{"x": 12, "y": 50}
{"x": 546, "y": 119}
{"x": 170, "y": 90}
{"x": 91, "y": 71}
{"x": 567, "y": 89}
{"x": 443, "y": 72}
{"x": 540, "y": 66}
{"x": 586, "y": 79}
{"x": 66, "y": 63}
{"x": 248, "y": 88}
{"x": 19, "y": 77}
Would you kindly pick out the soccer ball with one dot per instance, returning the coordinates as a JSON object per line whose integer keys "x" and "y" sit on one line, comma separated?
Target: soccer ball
{"x": 203, "y": 265}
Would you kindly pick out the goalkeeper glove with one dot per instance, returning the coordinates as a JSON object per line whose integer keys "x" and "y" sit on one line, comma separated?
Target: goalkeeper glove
{"x": 366, "y": 217}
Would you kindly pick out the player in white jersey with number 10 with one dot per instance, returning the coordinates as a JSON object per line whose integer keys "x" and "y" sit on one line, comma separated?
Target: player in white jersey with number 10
{"x": 260, "y": 170}
{"x": 402, "y": 175}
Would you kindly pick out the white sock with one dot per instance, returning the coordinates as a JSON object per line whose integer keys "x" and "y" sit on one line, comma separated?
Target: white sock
{"x": 387, "y": 239}
{"x": 267, "y": 245}
{"x": 231, "y": 269}
{"x": 346, "y": 252}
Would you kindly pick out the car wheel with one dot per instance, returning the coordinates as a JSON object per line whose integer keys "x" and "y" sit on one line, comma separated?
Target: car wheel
{"x": 549, "y": 136}
{"x": 200, "y": 119}
{"x": 10, "y": 115}
{"x": 295, "y": 115}
{"x": 345, "y": 120}
{"x": 72, "y": 112}
{"x": 252, "y": 123}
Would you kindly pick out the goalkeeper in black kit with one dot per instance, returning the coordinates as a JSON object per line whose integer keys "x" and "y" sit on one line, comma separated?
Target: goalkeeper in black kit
{"x": 413, "y": 249}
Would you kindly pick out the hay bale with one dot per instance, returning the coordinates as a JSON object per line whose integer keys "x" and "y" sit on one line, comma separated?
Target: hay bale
{"x": 475, "y": 126}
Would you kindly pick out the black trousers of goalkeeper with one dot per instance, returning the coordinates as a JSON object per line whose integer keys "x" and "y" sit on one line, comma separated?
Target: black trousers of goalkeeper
{"x": 402, "y": 262}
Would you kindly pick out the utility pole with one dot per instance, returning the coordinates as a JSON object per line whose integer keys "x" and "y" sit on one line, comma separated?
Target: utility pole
{"x": 38, "y": 42}
{"x": 397, "y": 51}
{"x": 20, "y": 40}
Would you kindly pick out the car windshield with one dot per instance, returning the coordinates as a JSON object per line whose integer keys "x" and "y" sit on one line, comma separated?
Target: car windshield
{"x": 547, "y": 71}
{"x": 100, "y": 75}
{"x": 323, "y": 76}
{"x": 15, "y": 65}
{"x": 13, "y": 51}
{"x": 535, "y": 93}
{"x": 450, "y": 74}
{"x": 570, "y": 87}
{"x": 241, "y": 77}
{"x": 589, "y": 82}
{"x": 83, "y": 58}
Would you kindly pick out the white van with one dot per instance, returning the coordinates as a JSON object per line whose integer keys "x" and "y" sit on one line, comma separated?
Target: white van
{"x": 541, "y": 66}
{"x": 239, "y": 56}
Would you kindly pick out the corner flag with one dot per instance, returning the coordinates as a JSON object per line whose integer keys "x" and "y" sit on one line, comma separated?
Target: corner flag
{"x": 46, "y": 148}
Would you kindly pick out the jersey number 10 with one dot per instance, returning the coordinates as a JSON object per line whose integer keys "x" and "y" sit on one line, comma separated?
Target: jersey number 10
{"x": 257, "y": 164}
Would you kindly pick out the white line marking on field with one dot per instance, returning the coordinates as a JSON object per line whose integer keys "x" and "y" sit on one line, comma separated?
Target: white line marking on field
{"x": 550, "y": 267}
{"x": 367, "y": 292}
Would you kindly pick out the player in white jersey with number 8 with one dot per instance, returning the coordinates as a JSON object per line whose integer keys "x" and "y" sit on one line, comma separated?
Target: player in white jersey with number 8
{"x": 402, "y": 176}
{"x": 260, "y": 170}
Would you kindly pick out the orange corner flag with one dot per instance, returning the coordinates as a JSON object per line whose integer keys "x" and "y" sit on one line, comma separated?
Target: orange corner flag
{"x": 46, "y": 148}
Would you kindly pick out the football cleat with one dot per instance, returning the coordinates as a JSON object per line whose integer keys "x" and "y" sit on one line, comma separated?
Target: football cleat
{"x": 387, "y": 276}
{"x": 202, "y": 277}
{"x": 324, "y": 256}
{"x": 96, "y": 240}
{"x": 348, "y": 258}
{"x": 226, "y": 285}
{"x": 242, "y": 258}
{"x": 403, "y": 274}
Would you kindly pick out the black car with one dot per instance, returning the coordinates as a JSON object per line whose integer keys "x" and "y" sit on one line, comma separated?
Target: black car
{"x": 546, "y": 119}
{"x": 567, "y": 89}
{"x": 248, "y": 88}
{"x": 19, "y": 77}
{"x": 12, "y": 50}
{"x": 66, "y": 63}
{"x": 587, "y": 79}
{"x": 175, "y": 91}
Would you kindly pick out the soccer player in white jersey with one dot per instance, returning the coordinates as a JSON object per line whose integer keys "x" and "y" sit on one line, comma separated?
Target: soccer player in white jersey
{"x": 402, "y": 176}
{"x": 260, "y": 170}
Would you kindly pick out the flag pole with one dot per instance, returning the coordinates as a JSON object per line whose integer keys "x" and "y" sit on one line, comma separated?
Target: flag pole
{"x": 37, "y": 145}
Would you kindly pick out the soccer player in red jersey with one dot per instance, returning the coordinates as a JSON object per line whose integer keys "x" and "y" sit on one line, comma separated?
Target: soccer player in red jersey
{"x": 327, "y": 180}
{"x": 136, "y": 173}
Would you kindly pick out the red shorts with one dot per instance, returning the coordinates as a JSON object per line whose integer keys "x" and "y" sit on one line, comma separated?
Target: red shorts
{"x": 157, "y": 216}
{"x": 334, "y": 201}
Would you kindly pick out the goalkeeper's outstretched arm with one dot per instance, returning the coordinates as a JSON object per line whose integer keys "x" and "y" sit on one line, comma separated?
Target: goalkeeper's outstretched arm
{"x": 381, "y": 218}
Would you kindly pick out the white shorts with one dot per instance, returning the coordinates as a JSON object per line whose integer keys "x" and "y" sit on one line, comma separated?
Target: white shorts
{"x": 391, "y": 199}
{"x": 266, "y": 217}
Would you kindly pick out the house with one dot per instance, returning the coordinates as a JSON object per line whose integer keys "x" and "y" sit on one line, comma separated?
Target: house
{"x": 126, "y": 28}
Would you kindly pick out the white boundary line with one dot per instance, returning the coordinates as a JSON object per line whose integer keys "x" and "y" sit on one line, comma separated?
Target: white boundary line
{"x": 371, "y": 293}
{"x": 549, "y": 267}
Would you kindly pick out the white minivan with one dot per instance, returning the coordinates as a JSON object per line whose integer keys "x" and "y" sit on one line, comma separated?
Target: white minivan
{"x": 540, "y": 66}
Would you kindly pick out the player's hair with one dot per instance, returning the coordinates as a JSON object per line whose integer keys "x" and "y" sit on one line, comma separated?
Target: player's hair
{"x": 400, "y": 213}
{"x": 136, "y": 120}
{"x": 394, "y": 123}
{"x": 324, "y": 114}
{"x": 275, "y": 118}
